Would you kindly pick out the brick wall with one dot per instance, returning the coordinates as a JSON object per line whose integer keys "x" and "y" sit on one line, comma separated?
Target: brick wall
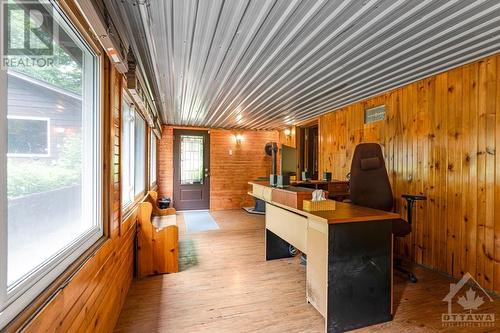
{"x": 165, "y": 162}
{"x": 232, "y": 165}
{"x": 230, "y": 173}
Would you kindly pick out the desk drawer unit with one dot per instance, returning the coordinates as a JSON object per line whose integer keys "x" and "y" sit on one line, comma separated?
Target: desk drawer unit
{"x": 288, "y": 226}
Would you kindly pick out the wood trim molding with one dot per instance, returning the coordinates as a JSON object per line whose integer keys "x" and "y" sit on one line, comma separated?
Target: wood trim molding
{"x": 129, "y": 210}
{"x": 71, "y": 9}
{"x": 40, "y": 302}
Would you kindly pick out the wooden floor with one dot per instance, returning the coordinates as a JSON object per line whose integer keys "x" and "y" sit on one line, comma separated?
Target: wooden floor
{"x": 226, "y": 286}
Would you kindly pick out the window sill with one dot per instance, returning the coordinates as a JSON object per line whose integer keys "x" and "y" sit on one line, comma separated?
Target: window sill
{"x": 58, "y": 285}
{"x": 129, "y": 209}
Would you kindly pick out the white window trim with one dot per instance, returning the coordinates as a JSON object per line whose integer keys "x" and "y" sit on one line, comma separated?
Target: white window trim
{"x": 143, "y": 124}
{"x": 3, "y": 186}
{"x": 131, "y": 152}
{"x": 153, "y": 152}
{"x": 18, "y": 296}
{"x": 46, "y": 119}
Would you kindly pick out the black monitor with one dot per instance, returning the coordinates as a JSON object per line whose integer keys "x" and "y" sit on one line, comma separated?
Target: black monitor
{"x": 288, "y": 160}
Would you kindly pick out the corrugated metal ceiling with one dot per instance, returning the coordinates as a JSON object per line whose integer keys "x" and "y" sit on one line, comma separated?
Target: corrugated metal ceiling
{"x": 266, "y": 64}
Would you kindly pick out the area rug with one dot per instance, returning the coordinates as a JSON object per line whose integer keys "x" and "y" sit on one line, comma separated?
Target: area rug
{"x": 199, "y": 221}
{"x": 188, "y": 254}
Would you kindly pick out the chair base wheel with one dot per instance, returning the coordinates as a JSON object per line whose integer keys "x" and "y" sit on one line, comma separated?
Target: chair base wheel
{"x": 411, "y": 276}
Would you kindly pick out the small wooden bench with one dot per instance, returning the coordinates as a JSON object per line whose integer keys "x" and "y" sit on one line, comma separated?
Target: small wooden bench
{"x": 157, "y": 238}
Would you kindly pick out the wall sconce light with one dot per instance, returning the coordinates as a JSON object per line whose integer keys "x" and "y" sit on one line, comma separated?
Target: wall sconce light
{"x": 287, "y": 132}
{"x": 238, "y": 138}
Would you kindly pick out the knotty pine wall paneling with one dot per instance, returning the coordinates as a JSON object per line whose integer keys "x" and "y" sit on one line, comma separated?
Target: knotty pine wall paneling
{"x": 440, "y": 138}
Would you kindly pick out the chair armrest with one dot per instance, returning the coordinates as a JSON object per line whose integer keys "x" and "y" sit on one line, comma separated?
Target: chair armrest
{"x": 410, "y": 199}
{"x": 414, "y": 197}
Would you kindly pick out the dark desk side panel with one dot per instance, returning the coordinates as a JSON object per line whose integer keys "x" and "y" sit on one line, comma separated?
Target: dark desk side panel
{"x": 359, "y": 275}
{"x": 276, "y": 248}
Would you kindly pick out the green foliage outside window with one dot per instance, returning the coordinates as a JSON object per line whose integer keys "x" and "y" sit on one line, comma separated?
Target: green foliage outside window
{"x": 28, "y": 176}
{"x": 65, "y": 72}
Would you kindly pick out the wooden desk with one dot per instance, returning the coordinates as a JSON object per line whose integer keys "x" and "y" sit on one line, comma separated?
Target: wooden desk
{"x": 337, "y": 189}
{"x": 349, "y": 257}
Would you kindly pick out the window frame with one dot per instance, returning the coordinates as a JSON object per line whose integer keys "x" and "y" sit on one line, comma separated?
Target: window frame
{"x": 19, "y": 297}
{"x": 47, "y": 120}
{"x": 126, "y": 206}
{"x": 139, "y": 194}
{"x": 153, "y": 151}
{"x": 3, "y": 184}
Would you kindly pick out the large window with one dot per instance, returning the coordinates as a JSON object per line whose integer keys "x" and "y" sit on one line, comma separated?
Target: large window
{"x": 49, "y": 159}
{"x": 127, "y": 153}
{"x": 152, "y": 166}
{"x": 133, "y": 153}
{"x": 140, "y": 155}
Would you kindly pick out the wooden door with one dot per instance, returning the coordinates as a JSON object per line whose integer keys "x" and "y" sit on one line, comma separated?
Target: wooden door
{"x": 191, "y": 170}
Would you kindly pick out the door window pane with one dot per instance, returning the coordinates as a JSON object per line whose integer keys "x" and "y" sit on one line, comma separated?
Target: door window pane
{"x": 191, "y": 159}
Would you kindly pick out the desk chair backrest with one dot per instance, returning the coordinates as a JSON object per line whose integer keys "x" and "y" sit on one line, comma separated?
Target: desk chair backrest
{"x": 369, "y": 182}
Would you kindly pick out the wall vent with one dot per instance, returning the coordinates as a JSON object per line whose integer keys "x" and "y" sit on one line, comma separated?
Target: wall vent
{"x": 374, "y": 114}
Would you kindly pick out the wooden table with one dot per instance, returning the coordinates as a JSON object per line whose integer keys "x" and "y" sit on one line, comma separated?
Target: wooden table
{"x": 349, "y": 256}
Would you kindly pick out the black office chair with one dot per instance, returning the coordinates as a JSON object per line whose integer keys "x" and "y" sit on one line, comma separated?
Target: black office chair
{"x": 370, "y": 187}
